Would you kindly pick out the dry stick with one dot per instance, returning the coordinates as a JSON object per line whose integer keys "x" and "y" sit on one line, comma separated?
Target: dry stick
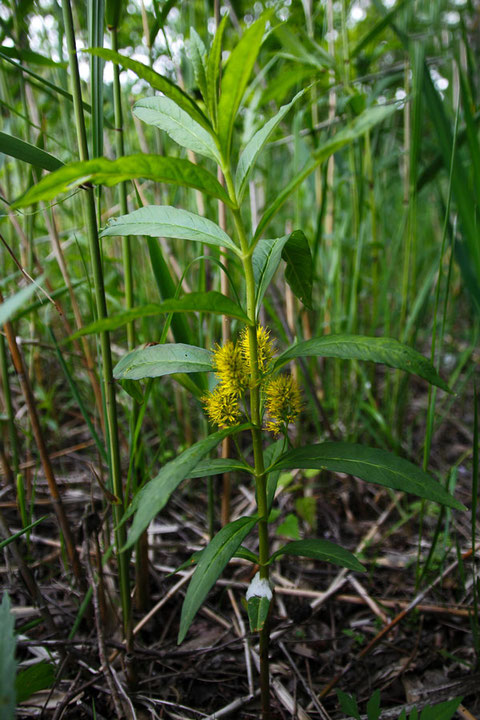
{"x": 384, "y": 631}
{"x": 57, "y": 454}
{"x": 319, "y": 707}
{"x": 283, "y": 695}
{"x": 42, "y": 448}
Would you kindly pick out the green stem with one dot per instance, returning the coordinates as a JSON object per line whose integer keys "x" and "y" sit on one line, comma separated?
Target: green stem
{"x": 108, "y": 382}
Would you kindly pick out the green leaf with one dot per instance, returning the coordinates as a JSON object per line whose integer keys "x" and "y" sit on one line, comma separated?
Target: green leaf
{"x": 251, "y": 151}
{"x": 211, "y": 301}
{"x": 34, "y": 678}
{"x": 30, "y": 57}
{"x": 358, "y": 127}
{"x": 369, "y": 464}
{"x": 348, "y": 704}
{"x": 235, "y": 78}
{"x": 156, "y": 493}
{"x": 258, "y": 608}
{"x": 101, "y": 171}
{"x": 133, "y": 389}
{"x": 270, "y": 456}
{"x": 219, "y": 466}
{"x": 360, "y": 347}
{"x": 167, "y": 221}
{"x": 289, "y": 527}
{"x": 266, "y": 259}
{"x": 10, "y": 306}
{"x": 8, "y": 665}
{"x": 306, "y": 508}
{"x": 158, "y": 360}
{"x": 213, "y": 560}
{"x": 13, "y": 146}
{"x": 198, "y": 57}
{"x": 18, "y": 534}
{"x": 373, "y": 706}
{"x": 213, "y": 70}
{"x": 442, "y": 711}
{"x": 157, "y": 82}
{"x": 299, "y": 271}
{"x": 164, "y": 114}
{"x": 320, "y": 550}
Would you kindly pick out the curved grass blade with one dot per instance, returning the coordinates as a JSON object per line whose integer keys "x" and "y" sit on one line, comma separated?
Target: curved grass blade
{"x": 158, "y": 360}
{"x": 369, "y": 464}
{"x": 102, "y": 171}
{"x": 167, "y": 221}
{"x": 212, "y": 561}
{"x": 156, "y": 493}
{"x": 387, "y": 351}
{"x": 13, "y": 146}
{"x": 163, "y": 113}
{"x": 210, "y": 301}
{"x": 318, "y": 549}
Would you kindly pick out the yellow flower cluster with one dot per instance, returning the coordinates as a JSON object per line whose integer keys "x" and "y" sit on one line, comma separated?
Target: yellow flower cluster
{"x": 283, "y": 402}
{"x": 232, "y": 367}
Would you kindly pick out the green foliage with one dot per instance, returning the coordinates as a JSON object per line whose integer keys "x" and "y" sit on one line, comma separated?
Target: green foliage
{"x": 8, "y": 665}
{"x": 320, "y": 550}
{"x": 440, "y": 711}
{"x": 159, "y": 360}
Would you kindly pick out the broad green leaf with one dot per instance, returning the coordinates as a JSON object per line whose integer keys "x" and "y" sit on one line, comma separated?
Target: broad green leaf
{"x": 373, "y": 706}
{"x": 198, "y": 57}
{"x": 348, "y": 704}
{"x": 13, "y": 146}
{"x": 258, "y": 608}
{"x": 211, "y": 301}
{"x": 266, "y": 259}
{"x": 167, "y": 221}
{"x": 157, "y": 82}
{"x": 358, "y": 127}
{"x": 34, "y": 678}
{"x": 360, "y": 347}
{"x": 10, "y": 306}
{"x": 163, "y": 113}
{"x": 320, "y": 550}
{"x": 289, "y": 527}
{"x": 156, "y": 493}
{"x": 8, "y": 666}
{"x": 251, "y": 151}
{"x": 101, "y": 171}
{"x": 270, "y": 456}
{"x": 442, "y": 711}
{"x": 235, "y": 78}
{"x": 18, "y": 534}
{"x": 213, "y": 70}
{"x": 299, "y": 271}
{"x": 158, "y": 360}
{"x": 369, "y": 464}
{"x": 218, "y": 466}
{"x": 213, "y": 560}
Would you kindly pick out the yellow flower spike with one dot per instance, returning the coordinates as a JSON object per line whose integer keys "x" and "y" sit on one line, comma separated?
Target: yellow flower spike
{"x": 265, "y": 347}
{"x": 222, "y": 407}
{"x": 283, "y": 402}
{"x": 230, "y": 367}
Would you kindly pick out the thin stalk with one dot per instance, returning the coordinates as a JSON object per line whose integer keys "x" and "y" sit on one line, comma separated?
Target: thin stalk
{"x": 7, "y": 395}
{"x": 108, "y": 383}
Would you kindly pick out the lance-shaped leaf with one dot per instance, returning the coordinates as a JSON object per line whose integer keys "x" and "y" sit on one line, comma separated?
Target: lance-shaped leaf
{"x": 8, "y": 665}
{"x": 10, "y": 306}
{"x": 213, "y": 70}
{"x": 211, "y": 301}
{"x": 219, "y": 466}
{"x": 156, "y": 493}
{"x": 320, "y": 550}
{"x": 299, "y": 270}
{"x": 266, "y": 259}
{"x": 158, "y": 360}
{"x": 370, "y": 464}
{"x": 235, "y": 78}
{"x": 167, "y": 221}
{"x": 198, "y": 56}
{"x": 102, "y": 171}
{"x": 164, "y": 114}
{"x": 258, "y": 608}
{"x": 358, "y": 127}
{"x": 157, "y": 82}
{"x": 13, "y": 146}
{"x": 251, "y": 151}
{"x": 212, "y": 561}
{"x": 359, "y": 347}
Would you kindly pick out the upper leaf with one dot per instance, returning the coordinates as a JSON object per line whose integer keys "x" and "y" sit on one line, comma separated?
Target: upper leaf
{"x": 360, "y": 347}
{"x": 101, "y": 171}
{"x": 167, "y": 221}
{"x": 157, "y": 82}
{"x": 158, "y": 360}
{"x": 198, "y": 56}
{"x": 266, "y": 259}
{"x": 212, "y": 561}
{"x": 155, "y": 494}
{"x": 320, "y": 550}
{"x": 13, "y": 146}
{"x": 166, "y": 115}
{"x": 370, "y": 464}
{"x": 235, "y": 78}
{"x": 299, "y": 271}
{"x": 213, "y": 70}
